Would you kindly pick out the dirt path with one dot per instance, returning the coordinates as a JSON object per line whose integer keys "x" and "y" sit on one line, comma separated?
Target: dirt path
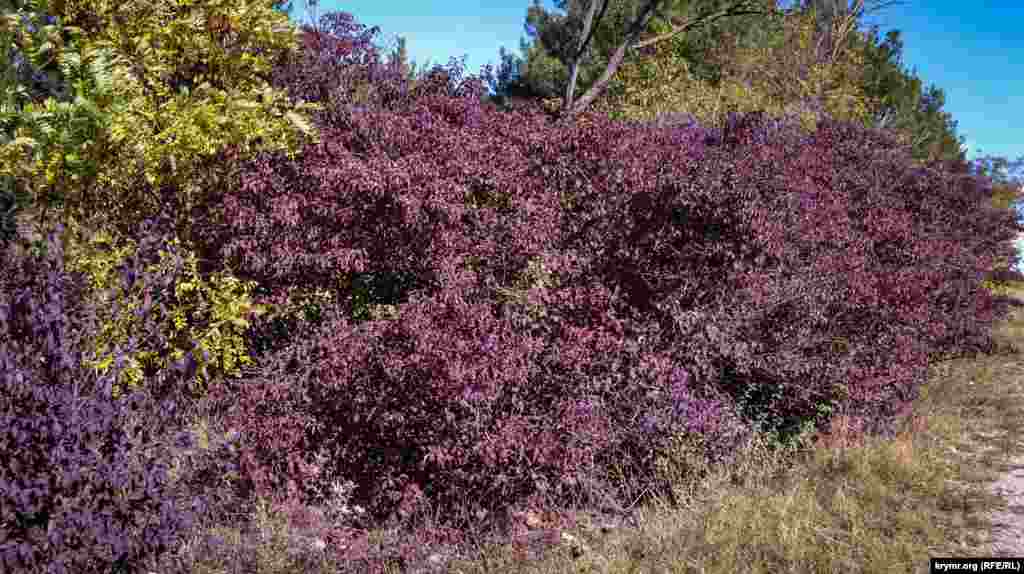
{"x": 1007, "y": 533}
{"x": 1008, "y": 530}
{"x": 1008, "y": 524}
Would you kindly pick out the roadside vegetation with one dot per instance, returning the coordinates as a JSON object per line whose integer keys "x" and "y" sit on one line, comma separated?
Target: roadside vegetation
{"x": 470, "y": 307}
{"x": 831, "y": 502}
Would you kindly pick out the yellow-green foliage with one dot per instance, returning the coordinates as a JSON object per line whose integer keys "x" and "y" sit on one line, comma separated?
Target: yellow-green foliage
{"x": 172, "y": 83}
{"x": 778, "y": 78}
{"x": 151, "y": 130}
{"x": 996, "y": 288}
{"x": 794, "y": 70}
{"x": 214, "y": 312}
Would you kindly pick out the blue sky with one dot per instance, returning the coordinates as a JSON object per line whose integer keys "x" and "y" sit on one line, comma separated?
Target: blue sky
{"x": 973, "y": 50}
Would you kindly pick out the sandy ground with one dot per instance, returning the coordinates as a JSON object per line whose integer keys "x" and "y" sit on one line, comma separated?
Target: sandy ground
{"x": 1008, "y": 524}
{"x": 1008, "y": 530}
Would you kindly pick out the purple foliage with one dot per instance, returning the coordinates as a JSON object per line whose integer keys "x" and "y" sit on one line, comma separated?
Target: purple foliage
{"x": 83, "y": 483}
{"x": 338, "y": 58}
{"x": 706, "y": 280}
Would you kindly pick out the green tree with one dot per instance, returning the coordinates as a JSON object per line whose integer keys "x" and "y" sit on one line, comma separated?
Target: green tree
{"x": 809, "y": 70}
{"x": 894, "y": 97}
{"x": 685, "y": 73}
{"x": 902, "y": 103}
{"x": 584, "y": 47}
{"x": 772, "y": 64}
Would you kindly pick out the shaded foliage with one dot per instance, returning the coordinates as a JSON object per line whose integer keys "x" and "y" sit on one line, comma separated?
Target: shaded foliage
{"x": 84, "y": 483}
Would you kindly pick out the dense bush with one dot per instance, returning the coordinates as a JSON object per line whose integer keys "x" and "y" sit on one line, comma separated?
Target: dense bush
{"x": 84, "y": 482}
{"x": 865, "y": 267}
{"x": 573, "y": 294}
{"x": 372, "y": 239}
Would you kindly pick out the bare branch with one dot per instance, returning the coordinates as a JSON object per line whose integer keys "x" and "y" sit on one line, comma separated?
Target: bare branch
{"x": 703, "y": 19}
{"x": 588, "y": 33}
{"x": 635, "y": 29}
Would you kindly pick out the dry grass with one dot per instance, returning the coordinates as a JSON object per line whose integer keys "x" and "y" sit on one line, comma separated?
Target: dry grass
{"x": 832, "y": 503}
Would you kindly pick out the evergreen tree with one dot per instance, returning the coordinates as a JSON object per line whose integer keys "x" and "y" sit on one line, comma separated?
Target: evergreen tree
{"x": 581, "y": 49}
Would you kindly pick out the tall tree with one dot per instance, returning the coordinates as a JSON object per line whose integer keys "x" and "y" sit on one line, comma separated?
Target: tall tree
{"x": 584, "y": 47}
{"x": 904, "y": 105}
{"x": 772, "y": 64}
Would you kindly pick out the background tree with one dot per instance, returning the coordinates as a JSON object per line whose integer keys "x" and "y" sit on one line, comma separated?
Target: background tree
{"x": 580, "y": 51}
{"x": 805, "y": 62}
{"x": 904, "y": 105}
{"x": 891, "y": 96}
{"x": 539, "y": 76}
{"x": 684, "y": 76}
{"x": 25, "y": 78}
{"x": 38, "y": 46}
{"x": 809, "y": 69}
{"x": 740, "y": 64}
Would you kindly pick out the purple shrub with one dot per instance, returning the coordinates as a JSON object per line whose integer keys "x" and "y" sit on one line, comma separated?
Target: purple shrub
{"x": 696, "y": 281}
{"x": 83, "y": 485}
{"x": 883, "y": 248}
{"x": 339, "y": 66}
{"x": 368, "y": 224}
